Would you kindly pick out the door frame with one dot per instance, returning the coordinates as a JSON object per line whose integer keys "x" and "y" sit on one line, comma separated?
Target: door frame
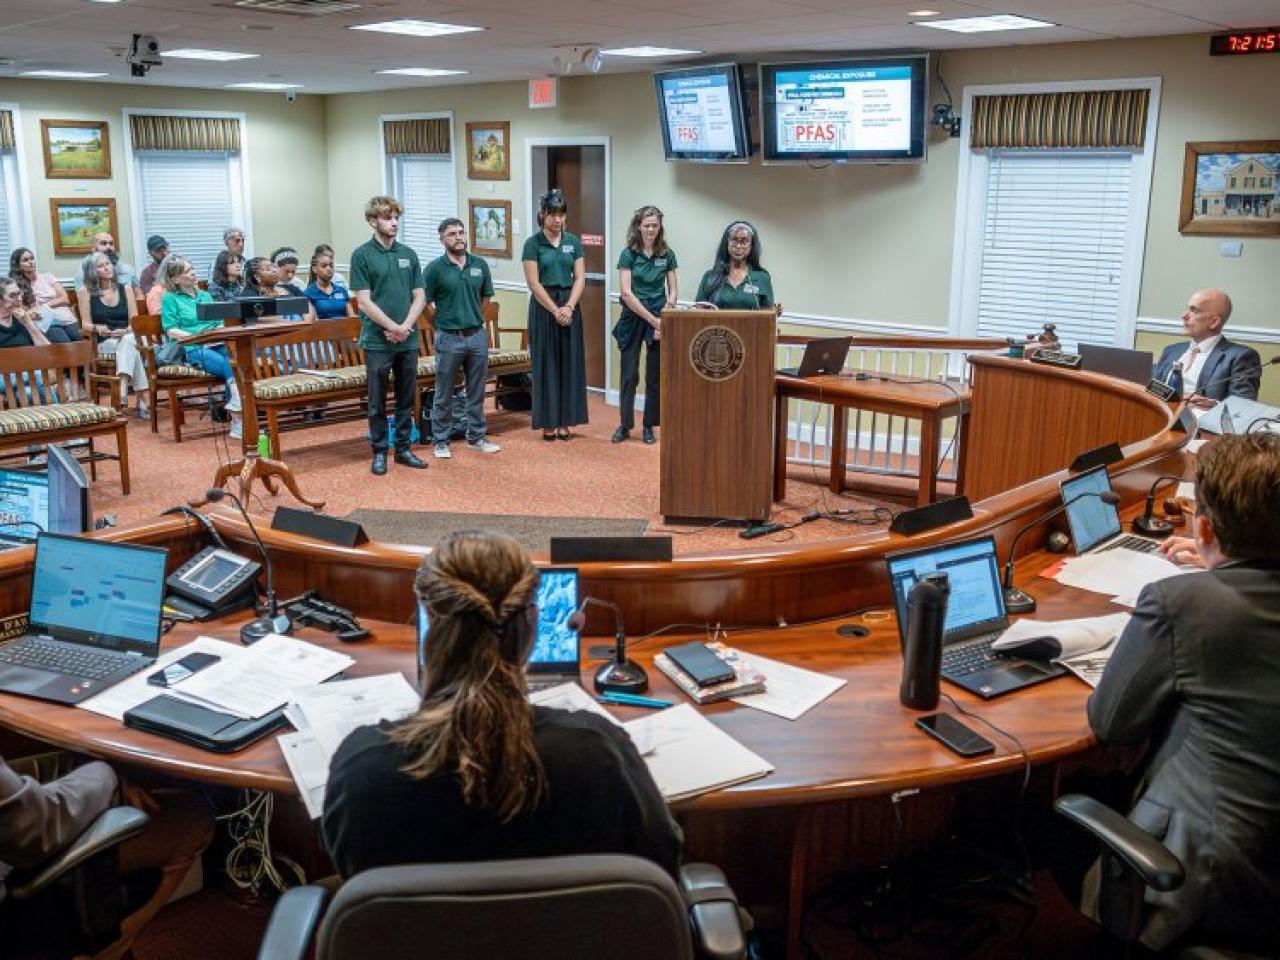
{"x": 531, "y": 209}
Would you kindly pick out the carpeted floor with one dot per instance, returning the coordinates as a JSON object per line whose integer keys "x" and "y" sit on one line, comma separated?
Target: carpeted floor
{"x": 532, "y": 533}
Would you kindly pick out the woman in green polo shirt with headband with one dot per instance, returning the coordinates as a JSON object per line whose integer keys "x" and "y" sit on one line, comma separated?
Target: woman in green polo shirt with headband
{"x": 737, "y": 281}
{"x": 554, "y": 271}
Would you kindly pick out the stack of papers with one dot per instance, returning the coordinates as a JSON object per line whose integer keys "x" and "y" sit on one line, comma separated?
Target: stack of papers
{"x": 1119, "y": 573}
{"x": 792, "y": 691}
{"x": 1084, "y": 645}
{"x": 115, "y": 701}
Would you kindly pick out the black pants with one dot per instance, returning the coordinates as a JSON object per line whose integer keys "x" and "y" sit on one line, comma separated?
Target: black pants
{"x": 631, "y": 378}
{"x": 382, "y": 365}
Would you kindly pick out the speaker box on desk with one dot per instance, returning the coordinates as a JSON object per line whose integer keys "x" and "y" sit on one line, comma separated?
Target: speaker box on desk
{"x": 344, "y": 533}
{"x": 939, "y": 514}
{"x": 609, "y": 549}
{"x": 1102, "y": 456}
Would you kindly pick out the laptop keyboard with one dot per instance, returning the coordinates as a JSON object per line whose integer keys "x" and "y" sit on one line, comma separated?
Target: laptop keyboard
{"x": 1140, "y": 544}
{"x": 969, "y": 658}
{"x": 42, "y": 653}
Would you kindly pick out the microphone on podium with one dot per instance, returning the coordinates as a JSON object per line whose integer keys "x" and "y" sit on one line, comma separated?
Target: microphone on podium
{"x": 1019, "y": 601}
{"x": 619, "y": 675}
{"x": 273, "y": 621}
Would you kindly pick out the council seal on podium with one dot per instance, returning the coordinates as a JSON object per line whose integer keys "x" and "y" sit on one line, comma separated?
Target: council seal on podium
{"x": 717, "y": 353}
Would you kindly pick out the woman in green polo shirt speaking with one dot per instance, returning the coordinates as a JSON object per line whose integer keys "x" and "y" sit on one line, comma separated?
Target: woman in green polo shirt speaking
{"x": 737, "y": 281}
{"x": 554, "y": 271}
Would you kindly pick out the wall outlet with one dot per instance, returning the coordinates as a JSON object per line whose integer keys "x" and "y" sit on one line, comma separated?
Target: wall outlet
{"x": 1231, "y": 248}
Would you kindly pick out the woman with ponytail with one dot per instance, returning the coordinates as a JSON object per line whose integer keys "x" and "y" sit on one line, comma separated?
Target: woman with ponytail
{"x": 477, "y": 773}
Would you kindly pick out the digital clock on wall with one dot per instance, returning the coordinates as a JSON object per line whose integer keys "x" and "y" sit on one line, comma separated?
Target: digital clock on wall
{"x": 1266, "y": 40}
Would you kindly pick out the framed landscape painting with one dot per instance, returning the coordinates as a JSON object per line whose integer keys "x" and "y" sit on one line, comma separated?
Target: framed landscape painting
{"x": 487, "y": 150}
{"x": 76, "y": 149}
{"x": 75, "y": 221}
{"x": 490, "y": 226}
{"x": 1229, "y": 189}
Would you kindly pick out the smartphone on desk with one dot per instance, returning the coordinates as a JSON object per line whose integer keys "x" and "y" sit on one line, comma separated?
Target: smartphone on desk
{"x": 949, "y": 731}
{"x": 179, "y": 670}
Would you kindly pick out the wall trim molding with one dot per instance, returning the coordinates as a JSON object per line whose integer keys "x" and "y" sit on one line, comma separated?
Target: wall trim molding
{"x": 1174, "y": 328}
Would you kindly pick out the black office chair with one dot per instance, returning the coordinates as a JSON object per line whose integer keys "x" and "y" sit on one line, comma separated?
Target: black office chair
{"x": 1132, "y": 861}
{"x": 70, "y": 879}
{"x": 571, "y": 908}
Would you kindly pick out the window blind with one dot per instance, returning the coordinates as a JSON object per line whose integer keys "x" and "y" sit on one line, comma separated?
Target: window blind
{"x": 425, "y": 185}
{"x": 189, "y": 198}
{"x": 1053, "y": 244}
{"x": 8, "y": 204}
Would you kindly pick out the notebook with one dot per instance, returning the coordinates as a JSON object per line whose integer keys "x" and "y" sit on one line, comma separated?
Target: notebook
{"x": 1095, "y": 526}
{"x": 975, "y": 616}
{"x": 95, "y": 619}
{"x": 555, "y": 655}
{"x": 821, "y": 356}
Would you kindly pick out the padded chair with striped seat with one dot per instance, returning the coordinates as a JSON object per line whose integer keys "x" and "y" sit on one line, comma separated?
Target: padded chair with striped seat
{"x": 177, "y": 383}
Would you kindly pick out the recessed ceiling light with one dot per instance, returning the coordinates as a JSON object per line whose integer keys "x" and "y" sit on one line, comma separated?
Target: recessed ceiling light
{"x": 195, "y": 53}
{"x": 421, "y": 72}
{"x": 61, "y": 74}
{"x": 415, "y": 28}
{"x": 999, "y": 21}
{"x": 648, "y": 52}
{"x": 262, "y": 85}
{"x": 922, "y": 13}
{"x": 104, "y": 1}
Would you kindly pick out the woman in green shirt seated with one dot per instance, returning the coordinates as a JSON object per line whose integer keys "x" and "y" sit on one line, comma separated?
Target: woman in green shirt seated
{"x": 737, "y": 281}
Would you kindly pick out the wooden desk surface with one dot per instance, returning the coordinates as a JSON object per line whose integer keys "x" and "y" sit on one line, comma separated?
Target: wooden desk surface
{"x": 860, "y": 742}
{"x": 904, "y": 393}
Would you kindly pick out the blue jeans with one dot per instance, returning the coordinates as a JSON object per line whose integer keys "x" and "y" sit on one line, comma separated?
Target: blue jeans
{"x": 213, "y": 361}
{"x": 471, "y": 355}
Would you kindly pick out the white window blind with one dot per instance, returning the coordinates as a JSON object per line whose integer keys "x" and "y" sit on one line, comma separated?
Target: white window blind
{"x": 10, "y": 227}
{"x": 425, "y": 185}
{"x": 190, "y": 198}
{"x": 1053, "y": 244}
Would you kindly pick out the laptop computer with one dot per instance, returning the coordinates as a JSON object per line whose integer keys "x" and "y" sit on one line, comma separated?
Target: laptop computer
{"x": 95, "y": 619}
{"x": 821, "y": 356}
{"x": 975, "y": 616}
{"x": 556, "y": 648}
{"x": 1132, "y": 365}
{"x": 1095, "y": 526}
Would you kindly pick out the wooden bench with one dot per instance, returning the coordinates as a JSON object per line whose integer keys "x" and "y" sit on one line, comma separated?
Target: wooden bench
{"x": 503, "y": 359}
{"x": 176, "y": 385}
{"x": 45, "y": 394}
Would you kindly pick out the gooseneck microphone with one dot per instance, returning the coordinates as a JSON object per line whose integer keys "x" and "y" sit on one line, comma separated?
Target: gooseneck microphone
{"x": 619, "y": 675}
{"x": 273, "y": 621}
{"x": 1019, "y": 601}
{"x": 1198, "y": 391}
{"x": 1148, "y": 524}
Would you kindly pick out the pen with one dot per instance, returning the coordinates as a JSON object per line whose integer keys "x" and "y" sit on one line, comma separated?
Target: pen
{"x": 631, "y": 700}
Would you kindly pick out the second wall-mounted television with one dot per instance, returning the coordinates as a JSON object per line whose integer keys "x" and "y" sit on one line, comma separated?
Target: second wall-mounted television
{"x": 866, "y": 110}
{"x": 702, "y": 112}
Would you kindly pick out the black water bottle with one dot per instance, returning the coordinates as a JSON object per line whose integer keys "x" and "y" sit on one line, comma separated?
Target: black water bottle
{"x": 1175, "y": 383}
{"x": 922, "y": 649}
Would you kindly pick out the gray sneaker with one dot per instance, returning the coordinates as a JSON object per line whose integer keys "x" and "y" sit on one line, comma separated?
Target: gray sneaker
{"x": 442, "y": 451}
{"x": 484, "y": 446}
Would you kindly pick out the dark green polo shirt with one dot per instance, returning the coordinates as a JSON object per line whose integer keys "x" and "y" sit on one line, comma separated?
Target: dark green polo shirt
{"x": 390, "y": 274}
{"x": 648, "y": 274}
{"x": 457, "y": 291}
{"x": 754, "y": 293}
{"x": 555, "y": 264}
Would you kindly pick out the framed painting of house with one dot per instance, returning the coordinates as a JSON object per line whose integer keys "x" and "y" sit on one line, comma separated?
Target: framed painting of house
{"x": 490, "y": 227}
{"x": 76, "y": 149}
{"x": 1229, "y": 189}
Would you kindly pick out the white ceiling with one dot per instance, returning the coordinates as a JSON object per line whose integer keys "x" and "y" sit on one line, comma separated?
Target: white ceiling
{"x": 521, "y": 36}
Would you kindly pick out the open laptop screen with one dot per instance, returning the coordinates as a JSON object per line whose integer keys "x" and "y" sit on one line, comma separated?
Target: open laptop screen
{"x": 24, "y": 498}
{"x": 976, "y": 603}
{"x": 94, "y": 591}
{"x": 1091, "y": 520}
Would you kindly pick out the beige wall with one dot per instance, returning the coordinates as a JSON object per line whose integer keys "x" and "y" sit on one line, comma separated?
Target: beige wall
{"x": 287, "y": 157}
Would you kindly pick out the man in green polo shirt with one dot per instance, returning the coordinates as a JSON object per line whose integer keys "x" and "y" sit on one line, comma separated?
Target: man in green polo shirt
{"x": 387, "y": 281}
{"x": 459, "y": 285}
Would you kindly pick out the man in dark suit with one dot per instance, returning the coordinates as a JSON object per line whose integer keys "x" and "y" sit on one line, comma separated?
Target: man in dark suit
{"x": 1196, "y": 673}
{"x": 1212, "y": 366}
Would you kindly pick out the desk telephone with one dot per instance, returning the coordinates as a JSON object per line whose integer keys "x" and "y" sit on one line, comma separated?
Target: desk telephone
{"x": 212, "y": 583}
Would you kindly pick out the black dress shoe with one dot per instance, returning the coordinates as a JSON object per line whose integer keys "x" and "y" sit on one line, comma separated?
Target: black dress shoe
{"x": 379, "y": 467}
{"x": 407, "y": 458}
{"x": 647, "y": 436}
{"x": 620, "y": 434}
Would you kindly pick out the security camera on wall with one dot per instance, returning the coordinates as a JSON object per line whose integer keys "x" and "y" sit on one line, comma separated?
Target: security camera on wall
{"x": 144, "y": 53}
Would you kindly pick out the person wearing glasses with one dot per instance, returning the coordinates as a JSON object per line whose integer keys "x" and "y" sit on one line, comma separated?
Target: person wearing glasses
{"x": 738, "y": 281}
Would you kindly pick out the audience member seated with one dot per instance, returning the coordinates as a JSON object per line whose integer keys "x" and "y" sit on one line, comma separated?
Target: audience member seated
{"x": 17, "y": 328}
{"x": 1213, "y": 368}
{"x": 43, "y": 294}
{"x": 477, "y": 773}
{"x": 179, "y": 322}
{"x": 227, "y": 282}
{"x": 1195, "y": 672}
{"x": 105, "y": 243}
{"x": 232, "y": 242}
{"x": 262, "y": 279}
{"x": 286, "y": 261}
{"x": 326, "y": 249}
{"x": 47, "y": 801}
{"x": 158, "y": 247}
{"x": 329, "y": 296}
{"x": 107, "y": 306}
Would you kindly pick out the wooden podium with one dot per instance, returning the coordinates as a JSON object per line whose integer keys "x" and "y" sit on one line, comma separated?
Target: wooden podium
{"x": 717, "y": 399}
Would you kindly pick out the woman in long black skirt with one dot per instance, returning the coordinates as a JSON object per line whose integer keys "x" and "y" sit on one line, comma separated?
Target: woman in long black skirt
{"x": 554, "y": 271}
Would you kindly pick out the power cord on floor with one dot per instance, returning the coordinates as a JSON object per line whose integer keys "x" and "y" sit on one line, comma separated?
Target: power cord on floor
{"x": 251, "y": 865}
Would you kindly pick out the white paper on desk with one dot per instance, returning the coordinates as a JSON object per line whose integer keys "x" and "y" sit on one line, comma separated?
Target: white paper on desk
{"x": 265, "y": 676}
{"x": 331, "y": 711}
{"x": 1089, "y": 667}
{"x": 115, "y": 701}
{"x": 1186, "y": 490}
{"x": 790, "y": 692}
{"x": 572, "y": 698}
{"x": 691, "y": 755}
{"x": 1193, "y": 446}
{"x": 309, "y": 765}
{"x": 1075, "y": 637}
{"x": 1119, "y": 573}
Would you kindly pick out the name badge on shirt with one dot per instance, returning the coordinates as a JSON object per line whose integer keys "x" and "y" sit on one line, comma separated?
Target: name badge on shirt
{"x": 660, "y": 262}
{"x": 475, "y": 271}
{"x": 404, "y": 263}
{"x": 750, "y": 288}
{"x": 567, "y": 247}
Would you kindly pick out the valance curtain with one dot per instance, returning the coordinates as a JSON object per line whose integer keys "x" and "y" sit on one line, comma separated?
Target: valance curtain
{"x": 425, "y": 136}
{"x": 1052, "y": 121}
{"x": 209, "y": 134}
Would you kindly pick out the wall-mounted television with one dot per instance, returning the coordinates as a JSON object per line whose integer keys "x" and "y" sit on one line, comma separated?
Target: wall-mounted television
{"x": 703, "y": 116}
{"x": 864, "y": 110}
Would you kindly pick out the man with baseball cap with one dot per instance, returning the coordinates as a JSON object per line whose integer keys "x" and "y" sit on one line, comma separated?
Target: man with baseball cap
{"x": 158, "y": 247}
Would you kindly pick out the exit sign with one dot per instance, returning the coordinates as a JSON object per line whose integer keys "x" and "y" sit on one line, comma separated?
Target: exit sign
{"x": 542, "y": 92}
